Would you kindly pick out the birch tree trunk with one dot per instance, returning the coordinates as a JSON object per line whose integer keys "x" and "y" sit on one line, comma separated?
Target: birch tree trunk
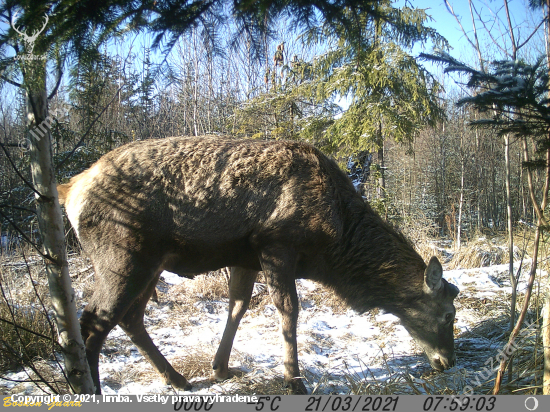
{"x": 50, "y": 221}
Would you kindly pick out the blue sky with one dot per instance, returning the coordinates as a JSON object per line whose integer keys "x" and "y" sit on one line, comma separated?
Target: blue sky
{"x": 447, "y": 26}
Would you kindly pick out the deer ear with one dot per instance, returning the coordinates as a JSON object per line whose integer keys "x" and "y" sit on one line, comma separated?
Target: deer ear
{"x": 433, "y": 276}
{"x": 454, "y": 291}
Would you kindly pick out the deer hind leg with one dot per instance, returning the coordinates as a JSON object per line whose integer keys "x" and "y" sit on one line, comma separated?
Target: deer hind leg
{"x": 95, "y": 326}
{"x": 123, "y": 285}
{"x": 279, "y": 266}
{"x": 132, "y": 324}
{"x": 241, "y": 283}
{"x": 113, "y": 296}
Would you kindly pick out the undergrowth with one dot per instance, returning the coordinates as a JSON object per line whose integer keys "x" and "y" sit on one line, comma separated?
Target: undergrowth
{"x": 24, "y": 302}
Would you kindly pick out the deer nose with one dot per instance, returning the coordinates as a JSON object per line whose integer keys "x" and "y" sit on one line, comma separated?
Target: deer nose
{"x": 441, "y": 363}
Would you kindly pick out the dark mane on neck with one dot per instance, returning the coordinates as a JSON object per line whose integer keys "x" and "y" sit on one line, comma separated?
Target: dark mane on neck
{"x": 370, "y": 264}
{"x": 373, "y": 264}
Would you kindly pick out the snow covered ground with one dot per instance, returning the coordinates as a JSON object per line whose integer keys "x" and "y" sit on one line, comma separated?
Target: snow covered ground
{"x": 340, "y": 351}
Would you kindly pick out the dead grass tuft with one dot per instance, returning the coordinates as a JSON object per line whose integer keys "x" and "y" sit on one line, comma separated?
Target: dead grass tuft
{"x": 265, "y": 383}
{"x": 421, "y": 231}
{"x": 323, "y": 296}
{"x": 211, "y": 286}
{"x": 195, "y": 364}
{"x": 481, "y": 253}
{"x": 26, "y": 330}
{"x": 187, "y": 297}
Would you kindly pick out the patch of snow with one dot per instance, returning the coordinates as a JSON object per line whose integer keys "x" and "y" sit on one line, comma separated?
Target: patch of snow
{"x": 171, "y": 278}
{"x": 387, "y": 317}
{"x": 330, "y": 344}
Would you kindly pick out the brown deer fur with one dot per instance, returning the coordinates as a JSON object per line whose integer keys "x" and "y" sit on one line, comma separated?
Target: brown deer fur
{"x": 191, "y": 205}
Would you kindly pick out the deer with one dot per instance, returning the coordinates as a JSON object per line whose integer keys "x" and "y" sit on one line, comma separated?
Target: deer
{"x": 190, "y": 205}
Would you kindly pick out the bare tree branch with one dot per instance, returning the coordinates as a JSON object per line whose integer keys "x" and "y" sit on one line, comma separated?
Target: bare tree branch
{"x": 27, "y": 183}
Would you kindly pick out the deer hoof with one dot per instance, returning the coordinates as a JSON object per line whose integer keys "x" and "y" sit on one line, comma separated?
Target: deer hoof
{"x": 179, "y": 382}
{"x": 297, "y": 386}
{"x": 219, "y": 376}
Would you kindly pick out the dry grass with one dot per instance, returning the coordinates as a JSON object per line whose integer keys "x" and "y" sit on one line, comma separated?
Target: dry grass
{"x": 195, "y": 364}
{"x": 202, "y": 287}
{"x": 41, "y": 372}
{"x": 264, "y": 382}
{"x": 213, "y": 287}
{"x": 250, "y": 385}
{"x": 28, "y": 336}
{"x": 189, "y": 297}
{"x": 210, "y": 286}
{"x": 481, "y": 253}
{"x": 26, "y": 332}
{"x": 272, "y": 385}
{"x": 323, "y": 297}
{"x": 428, "y": 249}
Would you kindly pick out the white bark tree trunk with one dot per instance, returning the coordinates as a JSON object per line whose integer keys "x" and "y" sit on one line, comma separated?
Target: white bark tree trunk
{"x": 50, "y": 222}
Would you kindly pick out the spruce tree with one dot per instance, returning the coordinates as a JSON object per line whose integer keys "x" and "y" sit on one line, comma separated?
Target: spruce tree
{"x": 513, "y": 98}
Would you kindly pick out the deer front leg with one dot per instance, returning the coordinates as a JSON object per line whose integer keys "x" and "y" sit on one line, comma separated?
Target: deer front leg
{"x": 279, "y": 269}
{"x": 241, "y": 283}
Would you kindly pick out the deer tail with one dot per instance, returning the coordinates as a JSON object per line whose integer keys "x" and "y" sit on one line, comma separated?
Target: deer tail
{"x": 63, "y": 191}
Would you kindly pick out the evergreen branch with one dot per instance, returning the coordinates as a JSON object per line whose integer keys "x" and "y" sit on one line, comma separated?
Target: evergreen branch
{"x": 88, "y": 130}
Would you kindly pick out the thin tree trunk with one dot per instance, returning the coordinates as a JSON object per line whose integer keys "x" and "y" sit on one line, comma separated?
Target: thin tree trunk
{"x": 382, "y": 178}
{"x": 196, "y": 86}
{"x": 381, "y": 163}
{"x": 510, "y": 234}
{"x": 508, "y": 349}
{"x": 539, "y": 213}
{"x": 519, "y": 322}
{"x": 461, "y": 199}
{"x": 50, "y": 221}
{"x": 546, "y": 319}
{"x": 460, "y": 205}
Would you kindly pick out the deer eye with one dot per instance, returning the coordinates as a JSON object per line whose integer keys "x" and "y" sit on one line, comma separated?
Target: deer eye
{"x": 449, "y": 318}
